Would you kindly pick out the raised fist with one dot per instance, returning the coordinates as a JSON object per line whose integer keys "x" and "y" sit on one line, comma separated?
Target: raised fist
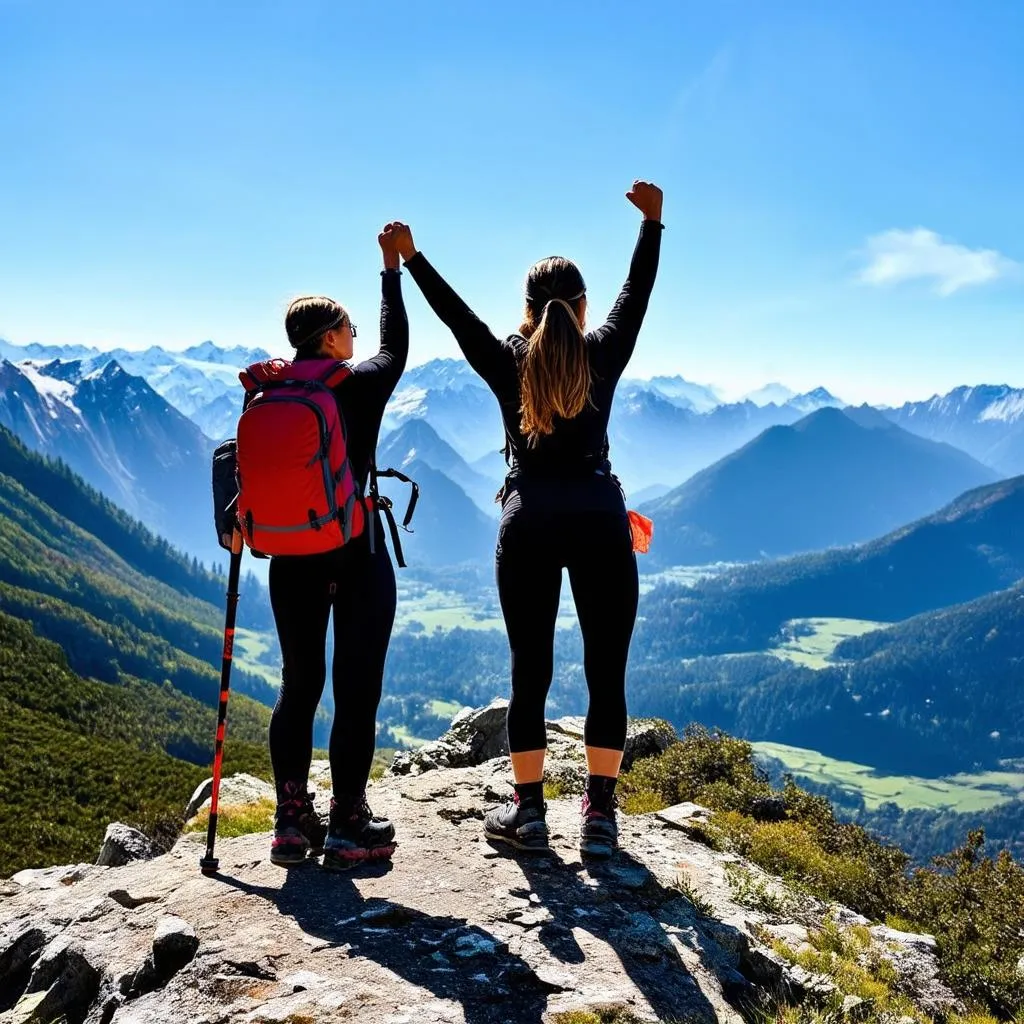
{"x": 647, "y": 198}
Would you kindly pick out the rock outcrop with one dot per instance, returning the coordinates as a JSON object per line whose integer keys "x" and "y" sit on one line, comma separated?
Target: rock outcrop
{"x": 478, "y": 734}
{"x": 453, "y": 931}
{"x": 123, "y": 844}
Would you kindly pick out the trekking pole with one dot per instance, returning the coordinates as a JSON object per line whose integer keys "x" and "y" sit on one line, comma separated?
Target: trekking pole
{"x": 208, "y": 864}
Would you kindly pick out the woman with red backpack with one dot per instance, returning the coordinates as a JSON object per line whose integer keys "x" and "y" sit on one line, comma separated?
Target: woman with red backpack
{"x": 561, "y": 508}
{"x": 306, "y": 444}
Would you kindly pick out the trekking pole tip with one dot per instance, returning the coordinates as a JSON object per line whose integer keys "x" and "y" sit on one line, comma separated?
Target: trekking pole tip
{"x": 208, "y": 865}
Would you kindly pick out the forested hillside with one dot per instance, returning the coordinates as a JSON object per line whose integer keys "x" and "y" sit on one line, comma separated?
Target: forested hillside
{"x": 78, "y": 754}
{"x": 972, "y": 547}
{"x": 53, "y": 484}
{"x": 109, "y": 656}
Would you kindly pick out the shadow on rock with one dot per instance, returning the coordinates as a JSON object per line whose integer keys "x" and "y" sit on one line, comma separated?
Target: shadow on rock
{"x": 446, "y": 956}
{"x": 620, "y": 902}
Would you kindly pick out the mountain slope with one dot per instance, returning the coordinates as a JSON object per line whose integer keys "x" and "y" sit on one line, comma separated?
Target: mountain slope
{"x": 416, "y": 440}
{"x": 987, "y": 421}
{"x": 44, "y": 554}
{"x": 76, "y": 751}
{"x": 122, "y": 437}
{"x": 836, "y": 477}
{"x": 122, "y": 712}
{"x": 448, "y": 528}
{"x": 67, "y": 497}
{"x": 972, "y": 547}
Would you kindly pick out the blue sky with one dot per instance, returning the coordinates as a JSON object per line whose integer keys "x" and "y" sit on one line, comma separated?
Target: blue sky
{"x": 844, "y": 196}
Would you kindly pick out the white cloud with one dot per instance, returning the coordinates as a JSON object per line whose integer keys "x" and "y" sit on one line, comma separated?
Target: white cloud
{"x": 896, "y": 256}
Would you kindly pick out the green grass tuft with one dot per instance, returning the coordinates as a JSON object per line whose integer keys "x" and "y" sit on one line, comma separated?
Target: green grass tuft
{"x": 237, "y": 819}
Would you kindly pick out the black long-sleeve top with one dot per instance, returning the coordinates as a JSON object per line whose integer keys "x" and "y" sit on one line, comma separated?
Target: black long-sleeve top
{"x": 362, "y": 396}
{"x": 576, "y": 446}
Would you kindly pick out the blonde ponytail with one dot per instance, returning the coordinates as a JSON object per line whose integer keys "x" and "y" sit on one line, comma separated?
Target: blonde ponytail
{"x": 555, "y": 377}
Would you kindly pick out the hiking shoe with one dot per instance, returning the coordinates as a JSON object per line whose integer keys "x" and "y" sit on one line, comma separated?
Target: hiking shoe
{"x": 599, "y": 833}
{"x": 356, "y": 836}
{"x": 523, "y": 827}
{"x": 298, "y": 829}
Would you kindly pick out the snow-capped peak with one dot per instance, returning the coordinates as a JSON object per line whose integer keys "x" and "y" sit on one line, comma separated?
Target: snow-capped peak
{"x": 770, "y": 394}
{"x": 1008, "y": 409}
{"x": 817, "y": 398}
{"x": 52, "y": 390}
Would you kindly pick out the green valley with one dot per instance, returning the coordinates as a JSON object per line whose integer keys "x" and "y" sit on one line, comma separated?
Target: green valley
{"x": 966, "y": 791}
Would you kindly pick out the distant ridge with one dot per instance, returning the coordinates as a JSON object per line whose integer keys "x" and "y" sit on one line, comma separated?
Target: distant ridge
{"x": 835, "y": 477}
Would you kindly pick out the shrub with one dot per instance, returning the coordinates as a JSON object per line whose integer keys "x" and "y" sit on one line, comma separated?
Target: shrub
{"x": 976, "y": 906}
{"x": 707, "y": 766}
{"x": 973, "y": 904}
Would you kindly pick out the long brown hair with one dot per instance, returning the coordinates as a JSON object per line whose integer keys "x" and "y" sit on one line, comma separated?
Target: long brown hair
{"x": 555, "y": 378}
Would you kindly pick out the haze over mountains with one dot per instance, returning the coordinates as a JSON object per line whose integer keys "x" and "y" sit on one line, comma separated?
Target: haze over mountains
{"x": 833, "y": 478}
{"x": 675, "y": 444}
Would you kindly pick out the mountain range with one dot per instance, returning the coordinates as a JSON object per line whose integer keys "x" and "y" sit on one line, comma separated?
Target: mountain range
{"x": 122, "y": 437}
{"x": 661, "y": 431}
{"x": 189, "y": 380}
{"x": 201, "y": 381}
{"x": 987, "y": 422}
{"x": 137, "y": 424}
{"x": 835, "y": 477}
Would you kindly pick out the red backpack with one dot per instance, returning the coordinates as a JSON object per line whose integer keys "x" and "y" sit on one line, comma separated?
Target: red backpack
{"x": 297, "y": 494}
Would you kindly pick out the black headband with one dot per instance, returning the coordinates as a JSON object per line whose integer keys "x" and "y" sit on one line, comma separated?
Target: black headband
{"x": 339, "y": 319}
{"x": 547, "y": 296}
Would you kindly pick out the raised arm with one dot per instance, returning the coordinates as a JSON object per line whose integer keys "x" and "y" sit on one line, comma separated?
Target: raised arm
{"x": 387, "y": 366}
{"x": 486, "y": 353}
{"x": 617, "y": 337}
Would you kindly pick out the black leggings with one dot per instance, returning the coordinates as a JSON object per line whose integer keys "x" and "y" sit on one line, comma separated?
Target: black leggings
{"x": 360, "y": 588}
{"x": 536, "y": 541}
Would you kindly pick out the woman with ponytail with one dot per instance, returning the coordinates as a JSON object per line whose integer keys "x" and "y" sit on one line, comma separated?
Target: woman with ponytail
{"x": 561, "y": 509}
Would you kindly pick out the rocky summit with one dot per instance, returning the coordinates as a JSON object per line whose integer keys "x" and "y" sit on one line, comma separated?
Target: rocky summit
{"x": 454, "y": 930}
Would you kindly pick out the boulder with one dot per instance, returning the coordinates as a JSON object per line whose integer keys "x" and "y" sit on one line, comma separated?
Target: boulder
{"x": 645, "y": 737}
{"x": 63, "y": 984}
{"x": 174, "y": 945}
{"x": 914, "y": 959}
{"x": 475, "y": 735}
{"x": 235, "y": 789}
{"x": 686, "y": 816}
{"x": 55, "y": 877}
{"x": 768, "y": 808}
{"x": 123, "y": 844}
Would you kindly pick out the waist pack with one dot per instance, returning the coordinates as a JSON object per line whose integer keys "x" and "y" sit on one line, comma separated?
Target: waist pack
{"x": 286, "y": 481}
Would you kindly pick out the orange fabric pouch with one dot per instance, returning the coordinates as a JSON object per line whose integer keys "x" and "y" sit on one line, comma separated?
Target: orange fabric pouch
{"x": 642, "y": 529}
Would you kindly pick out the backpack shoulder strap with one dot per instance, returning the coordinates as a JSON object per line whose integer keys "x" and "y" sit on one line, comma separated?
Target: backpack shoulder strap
{"x": 335, "y": 374}
{"x": 256, "y": 376}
